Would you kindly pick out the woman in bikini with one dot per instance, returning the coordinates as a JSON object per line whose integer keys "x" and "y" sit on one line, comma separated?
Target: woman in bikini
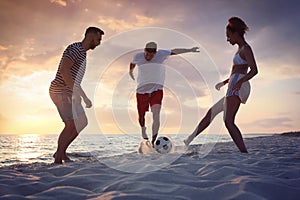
{"x": 238, "y": 85}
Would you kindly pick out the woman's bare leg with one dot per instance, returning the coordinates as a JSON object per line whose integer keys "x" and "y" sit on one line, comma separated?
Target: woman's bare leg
{"x": 232, "y": 104}
{"x": 205, "y": 122}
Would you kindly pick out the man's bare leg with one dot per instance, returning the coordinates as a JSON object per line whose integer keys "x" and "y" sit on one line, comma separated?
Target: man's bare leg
{"x": 142, "y": 124}
{"x": 155, "y": 109}
{"x": 80, "y": 123}
{"x": 63, "y": 139}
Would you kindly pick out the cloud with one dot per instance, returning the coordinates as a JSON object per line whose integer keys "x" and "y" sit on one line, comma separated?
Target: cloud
{"x": 120, "y": 25}
{"x": 59, "y": 2}
{"x": 268, "y": 35}
{"x": 25, "y": 65}
{"x": 42, "y": 41}
{"x": 274, "y": 122}
{"x": 3, "y": 48}
{"x": 25, "y": 94}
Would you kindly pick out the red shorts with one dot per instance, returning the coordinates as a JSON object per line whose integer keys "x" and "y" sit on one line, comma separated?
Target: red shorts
{"x": 144, "y": 100}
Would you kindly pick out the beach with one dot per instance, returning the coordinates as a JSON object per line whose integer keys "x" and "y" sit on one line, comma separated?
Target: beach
{"x": 269, "y": 171}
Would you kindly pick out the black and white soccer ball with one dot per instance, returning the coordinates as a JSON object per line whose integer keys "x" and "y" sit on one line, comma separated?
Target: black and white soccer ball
{"x": 163, "y": 145}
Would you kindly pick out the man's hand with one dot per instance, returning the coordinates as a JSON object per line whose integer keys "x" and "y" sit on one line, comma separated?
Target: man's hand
{"x": 131, "y": 74}
{"x": 131, "y": 68}
{"x": 195, "y": 49}
{"x": 77, "y": 94}
{"x": 88, "y": 102}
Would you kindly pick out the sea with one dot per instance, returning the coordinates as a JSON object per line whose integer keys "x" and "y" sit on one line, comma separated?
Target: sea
{"x": 26, "y": 149}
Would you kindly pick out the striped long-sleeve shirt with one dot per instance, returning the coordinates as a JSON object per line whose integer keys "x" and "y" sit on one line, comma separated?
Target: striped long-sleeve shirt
{"x": 77, "y": 54}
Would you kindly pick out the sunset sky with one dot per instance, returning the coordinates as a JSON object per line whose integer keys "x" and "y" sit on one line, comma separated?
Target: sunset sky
{"x": 34, "y": 34}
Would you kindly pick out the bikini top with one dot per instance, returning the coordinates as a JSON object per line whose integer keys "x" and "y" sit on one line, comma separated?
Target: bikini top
{"x": 237, "y": 59}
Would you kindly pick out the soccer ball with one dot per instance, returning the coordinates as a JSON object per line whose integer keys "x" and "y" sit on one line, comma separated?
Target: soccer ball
{"x": 163, "y": 145}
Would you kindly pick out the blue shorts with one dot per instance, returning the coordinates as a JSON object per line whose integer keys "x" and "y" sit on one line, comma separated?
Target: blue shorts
{"x": 67, "y": 108}
{"x": 244, "y": 91}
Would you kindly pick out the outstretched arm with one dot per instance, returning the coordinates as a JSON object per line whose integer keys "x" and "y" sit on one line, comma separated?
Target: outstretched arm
{"x": 180, "y": 51}
{"x": 131, "y": 68}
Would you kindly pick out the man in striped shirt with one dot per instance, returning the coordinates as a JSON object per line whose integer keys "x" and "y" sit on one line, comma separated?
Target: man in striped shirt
{"x": 66, "y": 92}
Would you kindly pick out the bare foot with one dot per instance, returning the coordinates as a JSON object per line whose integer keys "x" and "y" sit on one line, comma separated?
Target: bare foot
{"x": 65, "y": 157}
{"x": 154, "y": 139}
{"x": 144, "y": 135}
{"x": 57, "y": 159}
{"x": 187, "y": 142}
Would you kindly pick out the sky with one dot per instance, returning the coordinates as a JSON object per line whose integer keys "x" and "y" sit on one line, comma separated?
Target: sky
{"x": 35, "y": 33}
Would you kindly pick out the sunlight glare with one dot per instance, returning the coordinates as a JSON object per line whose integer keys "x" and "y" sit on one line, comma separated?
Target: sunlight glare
{"x": 28, "y": 147}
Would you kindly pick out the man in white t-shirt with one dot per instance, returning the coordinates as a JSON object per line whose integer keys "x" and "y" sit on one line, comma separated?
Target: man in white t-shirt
{"x": 151, "y": 77}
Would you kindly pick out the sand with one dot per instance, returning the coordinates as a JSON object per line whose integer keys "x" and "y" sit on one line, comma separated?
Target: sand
{"x": 271, "y": 170}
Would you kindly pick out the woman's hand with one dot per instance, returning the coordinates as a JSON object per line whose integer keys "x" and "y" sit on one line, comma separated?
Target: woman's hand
{"x": 219, "y": 85}
{"x": 237, "y": 86}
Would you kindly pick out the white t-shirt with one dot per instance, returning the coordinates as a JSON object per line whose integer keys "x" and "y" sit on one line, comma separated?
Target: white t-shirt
{"x": 151, "y": 74}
